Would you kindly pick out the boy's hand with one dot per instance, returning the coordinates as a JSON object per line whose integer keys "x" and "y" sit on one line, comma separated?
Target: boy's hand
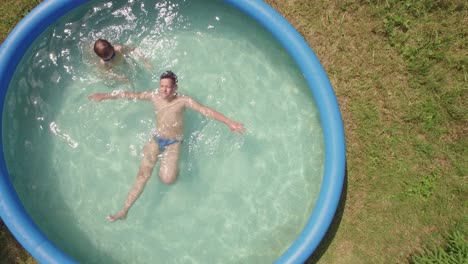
{"x": 236, "y": 127}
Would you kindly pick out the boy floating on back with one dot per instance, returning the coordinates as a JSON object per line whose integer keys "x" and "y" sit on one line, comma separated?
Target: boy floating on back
{"x": 166, "y": 142}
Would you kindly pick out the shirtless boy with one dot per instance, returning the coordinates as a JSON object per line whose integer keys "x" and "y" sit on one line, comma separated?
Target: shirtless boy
{"x": 112, "y": 55}
{"x": 166, "y": 142}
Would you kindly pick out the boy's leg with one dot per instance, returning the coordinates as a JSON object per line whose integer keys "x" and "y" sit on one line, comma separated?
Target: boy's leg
{"x": 170, "y": 163}
{"x": 150, "y": 156}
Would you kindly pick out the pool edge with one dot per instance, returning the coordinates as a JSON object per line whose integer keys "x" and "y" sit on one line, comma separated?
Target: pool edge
{"x": 12, "y": 51}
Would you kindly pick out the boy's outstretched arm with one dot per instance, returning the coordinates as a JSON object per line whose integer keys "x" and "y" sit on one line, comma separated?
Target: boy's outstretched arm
{"x": 120, "y": 95}
{"x": 211, "y": 113}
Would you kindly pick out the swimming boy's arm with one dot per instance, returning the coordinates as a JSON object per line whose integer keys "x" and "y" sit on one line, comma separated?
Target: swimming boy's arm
{"x": 211, "y": 113}
{"x": 128, "y": 49}
{"x": 121, "y": 95}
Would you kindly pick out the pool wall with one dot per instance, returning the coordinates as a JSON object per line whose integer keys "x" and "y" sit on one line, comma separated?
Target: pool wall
{"x": 36, "y": 243}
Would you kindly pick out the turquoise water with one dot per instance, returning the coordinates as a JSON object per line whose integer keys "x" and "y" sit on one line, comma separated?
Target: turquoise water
{"x": 238, "y": 198}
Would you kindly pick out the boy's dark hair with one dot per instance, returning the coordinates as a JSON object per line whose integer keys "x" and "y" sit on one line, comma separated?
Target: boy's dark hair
{"x": 169, "y": 75}
{"x": 103, "y": 48}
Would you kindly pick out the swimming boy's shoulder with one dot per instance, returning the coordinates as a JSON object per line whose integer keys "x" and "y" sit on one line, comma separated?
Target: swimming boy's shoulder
{"x": 124, "y": 49}
{"x": 185, "y": 98}
{"x": 119, "y": 48}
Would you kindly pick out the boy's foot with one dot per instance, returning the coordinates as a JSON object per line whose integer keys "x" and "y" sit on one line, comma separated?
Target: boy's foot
{"x": 118, "y": 216}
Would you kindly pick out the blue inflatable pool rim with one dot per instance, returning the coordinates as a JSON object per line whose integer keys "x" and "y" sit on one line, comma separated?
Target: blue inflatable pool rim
{"x": 38, "y": 245}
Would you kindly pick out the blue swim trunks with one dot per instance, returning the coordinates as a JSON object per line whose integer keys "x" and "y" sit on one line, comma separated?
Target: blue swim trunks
{"x": 164, "y": 142}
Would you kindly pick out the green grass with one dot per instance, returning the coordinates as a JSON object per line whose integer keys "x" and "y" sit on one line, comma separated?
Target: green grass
{"x": 399, "y": 70}
{"x": 455, "y": 251}
{"x": 11, "y": 12}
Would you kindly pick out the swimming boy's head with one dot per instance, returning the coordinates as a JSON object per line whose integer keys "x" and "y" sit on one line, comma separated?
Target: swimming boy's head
{"x": 103, "y": 49}
{"x": 169, "y": 75}
{"x": 167, "y": 84}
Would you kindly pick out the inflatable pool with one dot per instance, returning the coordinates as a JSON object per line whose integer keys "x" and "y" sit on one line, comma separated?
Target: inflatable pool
{"x": 41, "y": 248}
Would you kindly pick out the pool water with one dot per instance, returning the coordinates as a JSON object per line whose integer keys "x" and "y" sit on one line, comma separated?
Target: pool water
{"x": 238, "y": 198}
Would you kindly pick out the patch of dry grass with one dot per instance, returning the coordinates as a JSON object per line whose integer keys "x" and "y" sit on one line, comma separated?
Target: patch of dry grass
{"x": 11, "y": 12}
{"x": 10, "y": 250}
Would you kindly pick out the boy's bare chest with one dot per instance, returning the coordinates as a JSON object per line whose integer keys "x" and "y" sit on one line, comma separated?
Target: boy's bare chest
{"x": 174, "y": 107}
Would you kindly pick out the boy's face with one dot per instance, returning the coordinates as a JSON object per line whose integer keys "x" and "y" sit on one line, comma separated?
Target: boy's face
{"x": 166, "y": 88}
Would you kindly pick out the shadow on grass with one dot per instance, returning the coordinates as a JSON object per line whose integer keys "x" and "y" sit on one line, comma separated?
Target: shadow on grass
{"x": 330, "y": 235}
{"x": 11, "y": 250}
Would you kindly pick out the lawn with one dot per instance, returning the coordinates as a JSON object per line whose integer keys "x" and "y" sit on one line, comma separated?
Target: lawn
{"x": 399, "y": 70}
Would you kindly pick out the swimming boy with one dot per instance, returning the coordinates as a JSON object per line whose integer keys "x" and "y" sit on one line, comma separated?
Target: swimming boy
{"x": 166, "y": 142}
{"x": 112, "y": 55}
